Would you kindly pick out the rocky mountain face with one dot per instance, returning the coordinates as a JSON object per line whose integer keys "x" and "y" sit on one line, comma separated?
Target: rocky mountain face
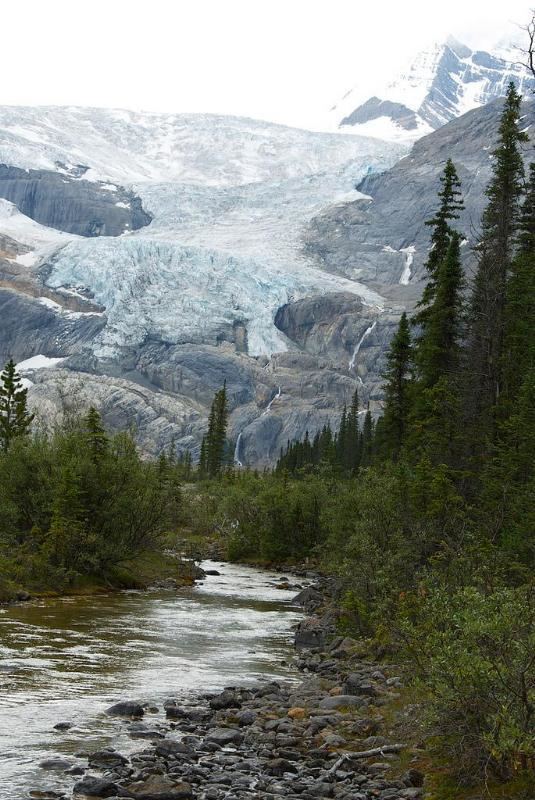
{"x": 225, "y": 250}
{"x": 381, "y": 239}
{"x": 145, "y": 258}
{"x": 71, "y": 204}
{"x": 441, "y": 83}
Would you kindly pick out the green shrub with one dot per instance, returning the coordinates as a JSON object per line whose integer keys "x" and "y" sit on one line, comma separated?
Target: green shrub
{"x": 474, "y": 654}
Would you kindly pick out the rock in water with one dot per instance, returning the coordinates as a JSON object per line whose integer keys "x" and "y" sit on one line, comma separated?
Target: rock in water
{"x": 126, "y": 708}
{"x": 95, "y": 787}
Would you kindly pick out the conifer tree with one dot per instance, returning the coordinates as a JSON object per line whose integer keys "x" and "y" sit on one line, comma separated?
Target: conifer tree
{"x": 216, "y": 438}
{"x": 451, "y": 205}
{"x": 437, "y": 351}
{"x": 15, "y": 419}
{"x": 366, "y": 447}
{"x": 97, "y": 439}
{"x": 202, "y": 458}
{"x": 352, "y": 444}
{"x": 484, "y": 367}
{"x": 398, "y": 375}
{"x": 518, "y": 356}
{"x": 341, "y": 437}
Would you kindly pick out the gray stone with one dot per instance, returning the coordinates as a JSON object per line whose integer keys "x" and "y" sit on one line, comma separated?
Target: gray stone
{"x": 126, "y": 708}
{"x": 60, "y": 764}
{"x": 96, "y": 787}
{"x": 225, "y": 736}
{"x": 341, "y": 701}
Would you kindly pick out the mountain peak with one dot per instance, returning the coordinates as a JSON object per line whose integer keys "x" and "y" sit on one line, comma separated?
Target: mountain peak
{"x": 443, "y": 81}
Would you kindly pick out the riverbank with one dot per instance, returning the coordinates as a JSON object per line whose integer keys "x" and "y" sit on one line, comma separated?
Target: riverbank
{"x": 321, "y": 735}
{"x": 145, "y": 570}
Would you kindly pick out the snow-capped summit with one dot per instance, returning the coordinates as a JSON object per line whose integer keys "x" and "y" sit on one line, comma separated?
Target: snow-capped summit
{"x": 444, "y": 81}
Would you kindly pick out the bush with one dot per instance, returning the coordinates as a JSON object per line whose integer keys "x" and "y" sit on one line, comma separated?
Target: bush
{"x": 475, "y": 656}
{"x": 79, "y": 502}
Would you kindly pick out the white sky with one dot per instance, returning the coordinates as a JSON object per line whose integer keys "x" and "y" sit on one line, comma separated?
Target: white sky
{"x": 284, "y": 60}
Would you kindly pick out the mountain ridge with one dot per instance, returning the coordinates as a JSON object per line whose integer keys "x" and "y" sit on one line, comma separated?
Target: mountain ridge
{"x": 442, "y": 82}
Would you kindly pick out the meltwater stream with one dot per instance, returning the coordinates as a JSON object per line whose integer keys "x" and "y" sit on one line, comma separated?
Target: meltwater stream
{"x": 67, "y": 660}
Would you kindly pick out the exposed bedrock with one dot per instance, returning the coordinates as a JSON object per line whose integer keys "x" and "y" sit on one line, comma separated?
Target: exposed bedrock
{"x": 30, "y": 328}
{"x": 372, "y": 239}
{"x": 374, "y": 108}
{"x": 71, "y": 204}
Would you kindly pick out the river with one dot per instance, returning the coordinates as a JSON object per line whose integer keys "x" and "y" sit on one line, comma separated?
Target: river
{"x": 67, "y": 660}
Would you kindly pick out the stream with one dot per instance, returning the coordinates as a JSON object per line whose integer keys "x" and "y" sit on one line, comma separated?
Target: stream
{"x": 68, "y": 659}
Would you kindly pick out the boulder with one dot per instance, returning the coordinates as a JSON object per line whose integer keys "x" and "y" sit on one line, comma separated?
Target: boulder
{"x": 227, "y": 699}
{"x": 60, "y": 764}
{"x": 309, "y": 599}
{"x": 341, "y": 701}
{"x": 225, "y": 736}
{"x": 357, "y": 685}
{"x": 159, "y": 787}
{"x": 170, "y": 747}
{"x": 95, "y": 787}
{"x": 279, "y": 766}
{"x": 126, "y": 708}
{"x": 246, "y": 718}
{"x": 310, "y": 633}
{"x": 107, "y": 758}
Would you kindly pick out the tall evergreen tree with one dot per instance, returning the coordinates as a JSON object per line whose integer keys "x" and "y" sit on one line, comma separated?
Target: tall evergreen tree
{"x": 437, "y": 351}
{"x": 15, "y": 419}
{"x": 216, "y": 437}
{"x": 348, "y": 437}
{"x": 518, "y": 356}
{"x": 484, "y": 365}
{"x": 96, "y": 436}
{"x": 451, "y": 205}
{"x": 366, "y": 446}
{"x": 398, "y": 375}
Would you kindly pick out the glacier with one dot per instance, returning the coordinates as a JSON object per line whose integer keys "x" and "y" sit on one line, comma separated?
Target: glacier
{"x": 229, "y": 198}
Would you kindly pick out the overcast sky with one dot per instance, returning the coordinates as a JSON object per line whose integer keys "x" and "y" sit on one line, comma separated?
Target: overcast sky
{"x": 282, "y": 60}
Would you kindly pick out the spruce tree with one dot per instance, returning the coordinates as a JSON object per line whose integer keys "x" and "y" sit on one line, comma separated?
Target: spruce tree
{"x": 437, "y": 351}
{"x": 518, "y": 356}
{"x": 451, "y": 205}
{"x": 485, "y": 363}
{"x": 202, "y": 458}
{"x": 341, "y": 437}
{"x": 366, "y": 446}
{"x": 216, "y": 438}
{"x": 96, "y": 437}
{"x": 352, "y": 444}
{"x": 15, "y": 419}
{"x": 398, "y": 375}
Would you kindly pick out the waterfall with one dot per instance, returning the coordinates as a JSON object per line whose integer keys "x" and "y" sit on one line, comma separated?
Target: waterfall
{"x": 359, "y": 343}
{"x": 268, "y": 407}
{"x": 237, "y": 461}
{"x": 409, "y": 258}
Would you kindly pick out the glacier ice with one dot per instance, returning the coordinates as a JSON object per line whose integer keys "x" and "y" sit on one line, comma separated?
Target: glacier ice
{"x": 229, "y": 197}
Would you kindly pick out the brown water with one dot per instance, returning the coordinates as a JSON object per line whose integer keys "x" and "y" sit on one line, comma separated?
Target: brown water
{"x": 67, "y": 660}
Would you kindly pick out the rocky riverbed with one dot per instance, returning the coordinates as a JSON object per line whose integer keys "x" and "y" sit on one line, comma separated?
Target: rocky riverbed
{"x": 320, "y": 737}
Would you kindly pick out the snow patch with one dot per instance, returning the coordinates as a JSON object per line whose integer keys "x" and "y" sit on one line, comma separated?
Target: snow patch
{"x": 38, "y": 362}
